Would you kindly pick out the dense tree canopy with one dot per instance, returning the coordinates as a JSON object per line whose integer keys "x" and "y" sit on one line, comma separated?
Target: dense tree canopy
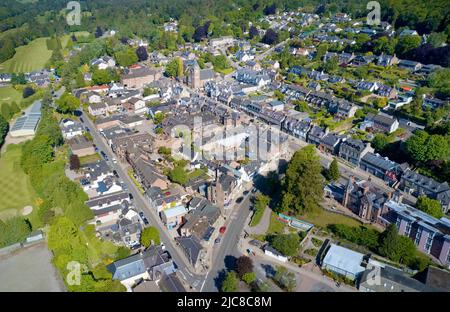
{"x": 430, "y": 206}
{"x": 303, "y": 183}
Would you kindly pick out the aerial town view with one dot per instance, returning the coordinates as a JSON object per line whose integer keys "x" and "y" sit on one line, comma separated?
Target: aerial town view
{"x": 225, "y": 146}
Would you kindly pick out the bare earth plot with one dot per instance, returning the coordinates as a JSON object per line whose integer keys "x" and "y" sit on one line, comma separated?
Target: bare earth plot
{"x": 29, "y": 270}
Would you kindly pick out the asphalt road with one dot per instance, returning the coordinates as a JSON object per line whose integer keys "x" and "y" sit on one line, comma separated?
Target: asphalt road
{"x": 141, "y": 203}
{"x": 228, "y": 248}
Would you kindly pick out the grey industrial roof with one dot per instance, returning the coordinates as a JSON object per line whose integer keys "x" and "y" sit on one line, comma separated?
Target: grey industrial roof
{"x": 30, "y": 120}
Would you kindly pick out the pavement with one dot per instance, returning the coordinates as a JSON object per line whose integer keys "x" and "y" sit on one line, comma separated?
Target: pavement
{"x": 29, "y": 269}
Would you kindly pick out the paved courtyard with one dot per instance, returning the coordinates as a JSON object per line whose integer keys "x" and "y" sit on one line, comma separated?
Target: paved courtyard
{"x": 29, "y": 270}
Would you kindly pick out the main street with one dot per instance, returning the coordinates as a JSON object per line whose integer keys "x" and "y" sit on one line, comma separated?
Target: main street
{"x": 228, "y": 248}
{"x": 141, "y": 203}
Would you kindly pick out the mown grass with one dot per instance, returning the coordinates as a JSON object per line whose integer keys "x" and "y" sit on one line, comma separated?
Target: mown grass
{"x": 16, "y": 191}
{"x": 9, "y": 94}
{"x": 30, "y": 57}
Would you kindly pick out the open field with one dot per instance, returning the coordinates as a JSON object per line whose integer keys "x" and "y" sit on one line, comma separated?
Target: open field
{"x": 9, "y": 95}
{"x": 32, "y": 56}
{"x": 16, "y": 191}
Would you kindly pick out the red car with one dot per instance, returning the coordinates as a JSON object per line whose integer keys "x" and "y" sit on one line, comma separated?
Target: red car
{"x": 222, "y": 229}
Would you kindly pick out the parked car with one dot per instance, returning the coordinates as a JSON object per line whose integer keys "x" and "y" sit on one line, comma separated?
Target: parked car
{"x": 222, "y": 229}
{"x": 141, "y": 214}
{"x": 103, "y": 155}
{"x": 87, "y": 129}
{"x": 81, "y": 120}
{"x": 115, "y": 173}
{"x": 130, "y": 195}
{"x": 145, "y": 221}
{"x": 217, "y": 240}
{"x": 239, "y": 200}
{"x": 246, "y": 193}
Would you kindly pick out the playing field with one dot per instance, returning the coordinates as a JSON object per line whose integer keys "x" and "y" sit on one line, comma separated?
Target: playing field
{"x": 16, "y": 191}
{"x": 9, "y": 95}
{"x": 30, "y": 57}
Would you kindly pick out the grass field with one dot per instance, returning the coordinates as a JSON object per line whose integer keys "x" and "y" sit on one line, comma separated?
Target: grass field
{"x": 16, "y": 191}
{"x": 32, "y": 56}
{"x": 9, "y": 95}
{"x": 323, "y": 218}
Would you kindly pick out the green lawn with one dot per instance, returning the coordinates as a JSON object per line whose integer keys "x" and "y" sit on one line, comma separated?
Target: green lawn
{"x": 32, "y": 56}
{"x": 9, "y": 95}
{"x": 257, "y": 216}
{"x": 89, "y": 159}
{"x": 15, "y": 188}
{"x": 276, "y": 226}
{"x": 323, "y": 218}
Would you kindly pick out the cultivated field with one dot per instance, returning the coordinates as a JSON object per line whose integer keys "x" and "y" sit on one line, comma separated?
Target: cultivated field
{"x": 30, "y": 57}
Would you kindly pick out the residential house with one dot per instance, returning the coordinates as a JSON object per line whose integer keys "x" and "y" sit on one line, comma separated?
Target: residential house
{"x": 385, "y": 123}
{"x": 387, "y": 60}
{"x": 297, "y": 128}
{"x": 98, "y": 109}
{"x": 70, "y": 128}
{"x": 81, "y": 146}
{"x": 417, "y": 185}
{"x": 152, "y": 264}
{"x": 136, "y": 106}
{"x": 353, "y": 150}
{"x": 409, "y": 65}
{"x": 220, "y": 192}
{"x": 256, "y": 78}
{"x": 316, "y": 135}
{"x": 173, "y": 217}
{"x": 330, "y": 143}
{"x": 364, "y": 199}
{"x": 192, "y": 249}
{"x": 201, "y": 220}
{"x": 147, "y": 174}
{"x": 381, "y": 167}
{"x": 433, "y": 103}
{"x": 104, "y": 62}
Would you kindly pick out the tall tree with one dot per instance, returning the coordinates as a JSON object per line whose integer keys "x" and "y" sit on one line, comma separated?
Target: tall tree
{"x": 303, "y": 183}
{"x": 141, "y": 53}
{"x": 150, "y": 235}
{"x": 333, "y": 171}
{"x": 244, "y": 265}
{"x": 430, "y": 206}
{"x": 230, "y": 283}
